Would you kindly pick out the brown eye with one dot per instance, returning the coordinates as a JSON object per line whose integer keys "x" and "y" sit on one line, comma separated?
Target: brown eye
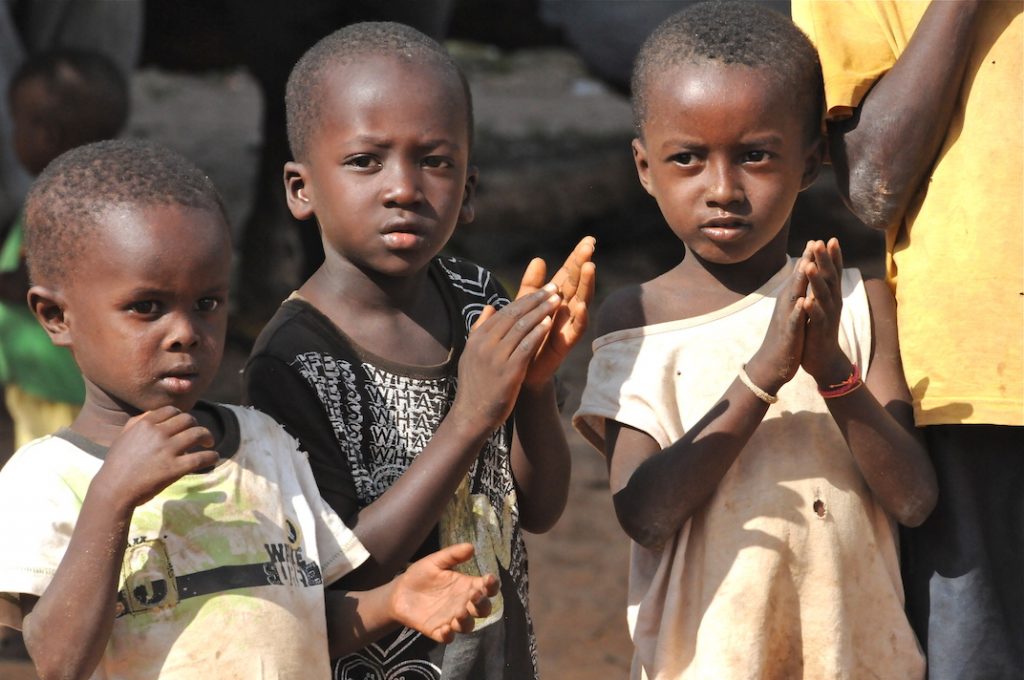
{"x": 144, "y": 307}
{"x": 207, "y": 304}
{"x": 437, "y": 162}
{"x": 362, "y": 161}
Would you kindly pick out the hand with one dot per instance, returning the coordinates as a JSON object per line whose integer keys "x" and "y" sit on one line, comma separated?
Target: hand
{"x": 499, "y": 350}
{"x": 439, "y": 602}
{"x": 154, "y": 450}
{"x": 822, "y": 358}
{"x": 575, "y": 284}
{"x": 777, "y": 360}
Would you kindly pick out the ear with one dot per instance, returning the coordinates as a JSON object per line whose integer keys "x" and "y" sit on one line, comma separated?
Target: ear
{"x": 467, "y": 212}
{"x": 643, "y": 169}
{"x": 812, "y": 162}
{"x": 49, "y": 307}
{"x": 297, "y": 191}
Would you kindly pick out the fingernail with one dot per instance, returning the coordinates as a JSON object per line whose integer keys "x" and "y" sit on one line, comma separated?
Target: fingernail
{"x": 551, "y": 288}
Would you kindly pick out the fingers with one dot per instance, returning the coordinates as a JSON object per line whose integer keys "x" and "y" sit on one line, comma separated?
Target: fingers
{"x": 486, "y": 313}
{"x": 588, "y": 280}
{"x": 568, "y": 277}
{"x": 199, "y": 460}
{"x": 533, "y": 278}
{"x": 453, "y": 555}
{"x": 155, "y": 416}
{"x": 515, "y": 323}
{"x": 823, "y": 269}
{"x": 797, "y": 283}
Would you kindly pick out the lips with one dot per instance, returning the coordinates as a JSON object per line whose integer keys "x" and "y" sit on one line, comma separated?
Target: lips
{"x": 724, "y": 229}
{"x": 181, "y": 380}
{"x": 402, "y": 235}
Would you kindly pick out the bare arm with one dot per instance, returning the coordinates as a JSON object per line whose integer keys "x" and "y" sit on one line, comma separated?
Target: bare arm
{"x": 67, "y": 629}
{"x": 655, "y": 491}
{"x": 541, "y": 463}
{"x": 883, "y": 153}
{"x": 877, "y": 422}
{"x": 490, "y": 374}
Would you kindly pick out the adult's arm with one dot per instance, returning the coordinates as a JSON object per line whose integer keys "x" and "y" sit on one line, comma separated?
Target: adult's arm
{"x": 884, "y": 151}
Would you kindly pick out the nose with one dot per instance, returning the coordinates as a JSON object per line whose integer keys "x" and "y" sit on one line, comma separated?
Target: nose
{"x": 401, "y": 185}
{"x": 184, "y": 332}
{"x": 723, "y": 186}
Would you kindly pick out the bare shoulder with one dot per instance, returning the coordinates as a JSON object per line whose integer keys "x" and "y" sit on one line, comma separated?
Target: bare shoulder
{"x": 664, "y": 298}
{"x": 622, "y": 309}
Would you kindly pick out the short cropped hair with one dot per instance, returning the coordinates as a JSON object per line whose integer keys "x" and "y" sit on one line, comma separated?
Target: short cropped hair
{"x": 76, "y": 192}
{"x": 89, "y": 95}
{"x": 743, "y": 33}
{"x": 304, "y": 92}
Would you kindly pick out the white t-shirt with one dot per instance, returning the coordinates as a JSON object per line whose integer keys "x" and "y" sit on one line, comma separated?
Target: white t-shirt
{"x": 225, "y": 570}
{"x": 790, "y": 568}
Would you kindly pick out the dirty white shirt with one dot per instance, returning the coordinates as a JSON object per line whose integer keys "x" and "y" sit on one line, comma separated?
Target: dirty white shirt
{"x": 225, "y": 570}
{"x": 790, "y": 570}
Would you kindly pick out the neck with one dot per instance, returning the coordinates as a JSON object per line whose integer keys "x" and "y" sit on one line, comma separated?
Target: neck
{"x": 102, "y": 418}
{"x": 363, "y": 290}
{"x": 742, "y": 278}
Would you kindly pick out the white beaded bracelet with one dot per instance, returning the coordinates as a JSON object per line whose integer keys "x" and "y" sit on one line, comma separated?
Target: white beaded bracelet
{"x": 758, "y": 392}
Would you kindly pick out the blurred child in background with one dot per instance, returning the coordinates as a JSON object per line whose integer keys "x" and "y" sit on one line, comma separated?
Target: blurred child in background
{"x": 59, "y": 100}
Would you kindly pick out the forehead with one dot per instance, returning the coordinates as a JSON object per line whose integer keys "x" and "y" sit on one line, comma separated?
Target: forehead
{"x": 727, "y": 95}
{"x": 383, "y": 93}
{"x": 155, "y": 238}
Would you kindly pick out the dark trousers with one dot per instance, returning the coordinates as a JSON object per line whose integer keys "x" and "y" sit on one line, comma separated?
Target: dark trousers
{"x": 963, "y": 569}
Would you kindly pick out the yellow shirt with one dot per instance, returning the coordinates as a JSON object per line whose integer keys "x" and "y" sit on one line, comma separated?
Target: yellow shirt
{"x": 957, "y": 260}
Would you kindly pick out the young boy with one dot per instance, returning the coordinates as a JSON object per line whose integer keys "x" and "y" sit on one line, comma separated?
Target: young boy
{"x": 59, "y": 100}
{"x": 160, "y": 535}
{"x": 752, "y": 407}
{"x": 408, "y": 422}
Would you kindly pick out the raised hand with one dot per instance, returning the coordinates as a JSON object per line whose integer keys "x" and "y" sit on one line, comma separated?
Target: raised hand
{"x": 499, "y": 351}
{"x": 439, "y": 602}
{"x": 154, "y": 450}
{"x": 575, "y": 285}
{"x": 777, "y": 360}
{"x": 822, "y": 264}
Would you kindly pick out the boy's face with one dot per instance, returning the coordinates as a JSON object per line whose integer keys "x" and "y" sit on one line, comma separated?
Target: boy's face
{"x": 36, "y": 142}
{"x": 387, "y": 173}
{"x": 146, "y": 310}
{"x": 725, "y": 154}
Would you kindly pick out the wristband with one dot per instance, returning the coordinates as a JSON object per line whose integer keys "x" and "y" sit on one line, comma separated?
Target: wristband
{"x": 758, "y": 392}
{"x": 841, "y": 389}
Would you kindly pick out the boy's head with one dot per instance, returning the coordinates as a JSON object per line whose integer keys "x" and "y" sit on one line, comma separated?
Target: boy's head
{"x": 129, "y": 252}
{"x": 379, "y": 120}
{"x": 728, "y": 104}
{"x": 308, "y": 83}
{"x": 734, "y": 33}
{"x": 62, "y": 99}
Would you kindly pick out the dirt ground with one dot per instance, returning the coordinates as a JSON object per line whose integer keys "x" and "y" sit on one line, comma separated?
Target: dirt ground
{"x": 578, "y": 570}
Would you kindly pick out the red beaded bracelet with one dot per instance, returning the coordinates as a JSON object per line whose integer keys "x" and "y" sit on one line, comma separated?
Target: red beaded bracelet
{"x": 841, "y": 389}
